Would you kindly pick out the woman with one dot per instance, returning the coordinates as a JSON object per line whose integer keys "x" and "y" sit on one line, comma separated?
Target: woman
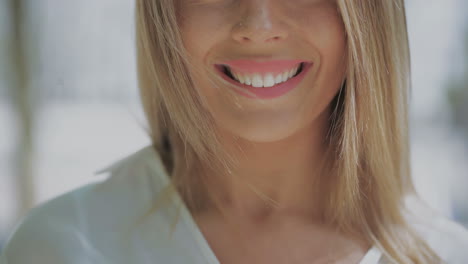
{"x": 280, "y": 135}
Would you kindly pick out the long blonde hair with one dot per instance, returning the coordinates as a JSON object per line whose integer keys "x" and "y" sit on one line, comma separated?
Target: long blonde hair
{"x": 369, "y": 170}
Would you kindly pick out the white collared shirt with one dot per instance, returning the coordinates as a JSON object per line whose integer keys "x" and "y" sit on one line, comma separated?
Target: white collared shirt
{"x": 106, "y": 222}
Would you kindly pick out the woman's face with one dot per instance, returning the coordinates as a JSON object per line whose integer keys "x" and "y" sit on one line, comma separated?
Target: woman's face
{"x": 285, "y": 59}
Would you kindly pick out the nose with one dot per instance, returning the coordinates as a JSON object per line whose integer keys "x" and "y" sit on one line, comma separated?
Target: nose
{"x": 261, "y": 23}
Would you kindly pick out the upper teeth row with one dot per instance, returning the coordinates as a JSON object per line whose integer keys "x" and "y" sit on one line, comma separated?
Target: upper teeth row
{"x": 266, "y": 80}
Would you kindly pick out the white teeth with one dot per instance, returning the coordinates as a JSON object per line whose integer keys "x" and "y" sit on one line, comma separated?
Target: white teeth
{"x": 236, "y": 76}
{"x": 279, "y": 79}
{"x": 257, "y": 80}
{"x": 248, "y": 80}
{"x": 265, "y": 80}
{"x": 240, "y": 78}
{"x": 285, "y": 76}
{"x": 268, "y": 80}
{"x": 291, "y": 73}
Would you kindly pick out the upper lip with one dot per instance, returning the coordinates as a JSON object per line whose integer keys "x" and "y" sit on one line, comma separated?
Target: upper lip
{"x": 262, "y": 67}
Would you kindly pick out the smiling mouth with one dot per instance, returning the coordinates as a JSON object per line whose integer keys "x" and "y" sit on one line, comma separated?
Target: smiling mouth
{"x": 259, "y": 80}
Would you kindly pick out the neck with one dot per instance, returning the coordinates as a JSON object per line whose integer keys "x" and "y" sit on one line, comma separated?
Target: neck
{"x": 274, "y": 178}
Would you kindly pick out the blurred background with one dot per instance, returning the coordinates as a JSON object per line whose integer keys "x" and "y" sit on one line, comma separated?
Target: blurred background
{"x": 69, "y": 102}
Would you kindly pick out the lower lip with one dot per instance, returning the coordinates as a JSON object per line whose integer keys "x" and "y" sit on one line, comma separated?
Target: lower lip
{"x": 269, "y": 92}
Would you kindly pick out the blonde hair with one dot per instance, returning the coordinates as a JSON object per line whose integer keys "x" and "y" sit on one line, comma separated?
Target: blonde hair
{"x": 369, "y": 170}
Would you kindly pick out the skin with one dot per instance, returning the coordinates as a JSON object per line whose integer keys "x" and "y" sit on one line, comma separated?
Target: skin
{"x": 281, "y": 139}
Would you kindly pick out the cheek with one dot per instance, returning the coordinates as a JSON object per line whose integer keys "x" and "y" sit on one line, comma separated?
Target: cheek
{"x": 324, "y": 28}
{"x": 327, "y": 33}
{"x": 201, "y": 27}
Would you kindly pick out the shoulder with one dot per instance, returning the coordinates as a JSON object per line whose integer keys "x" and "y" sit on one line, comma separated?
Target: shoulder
{"x": 89, "y": 223}
{"x": 48, "y": 234}
{"x": 446, "y": 237}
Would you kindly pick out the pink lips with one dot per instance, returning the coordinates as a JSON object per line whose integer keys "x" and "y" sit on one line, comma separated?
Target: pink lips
{"x": 276, "y": 67}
